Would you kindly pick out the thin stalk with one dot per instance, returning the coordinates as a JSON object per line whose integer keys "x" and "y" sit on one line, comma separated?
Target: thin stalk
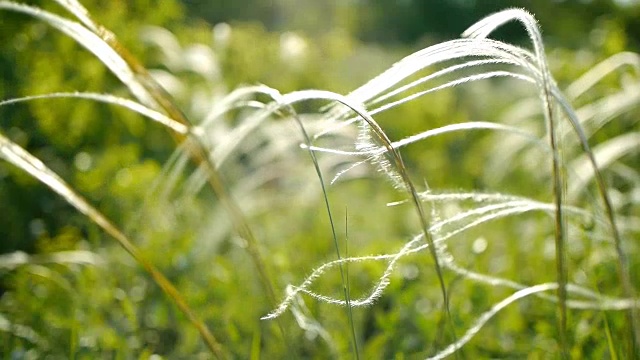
{"x": 558, "y": 187}
{"x": 202, "y": 158}
{"x": 347, "y": 289}
{"x": 325, "y": 196}
{"x": 399, "y": 164}
{"x": 560, "y": 236}
{"x": 633, "y": 318}
{"x": 612, "y": 348}
{"x": 482, "y": 29}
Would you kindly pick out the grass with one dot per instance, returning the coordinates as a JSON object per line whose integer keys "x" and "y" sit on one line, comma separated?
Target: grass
{"x": 343, "y": 134}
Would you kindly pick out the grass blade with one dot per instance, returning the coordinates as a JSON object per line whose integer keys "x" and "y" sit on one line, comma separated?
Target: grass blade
{"x": 34, "y": 167}
{"x": 482, "y": 29}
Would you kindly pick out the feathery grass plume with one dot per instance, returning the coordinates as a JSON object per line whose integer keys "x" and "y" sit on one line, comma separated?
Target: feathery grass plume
{"x": 280, "y": 103}
{"x": 373, "y": 126}
{"x": 549, "y": 90}
{"x": 483, "y": 29}
{"x": 585, "y": 121}
{"x": 343, "y": 277}
{"x": 493, "y": 52}
{"x": 541, "y": 77}
{"x": 591, "y": 116}
{"x": 498, "y": 206}
{"x": 535, "y": 64}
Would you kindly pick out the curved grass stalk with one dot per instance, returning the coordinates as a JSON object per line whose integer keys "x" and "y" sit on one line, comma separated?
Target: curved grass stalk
{"x": 596, "y": 115}
{"x": 484, "y": 318}
{"x": 462, "y": 222}
{"x": 451, "y": 69}
{"x": 17, "y": 156}
{"x": 295, "y": 97}
{"x": 549, "y": 90}
{"x": 598, "y": 301}
{"x": 417, "y": 244}
{"x": 633, "y": 318}
{"x": 442, "y": 52}
{"x": 605, "y": 155}
{"x": 383, "y": 281}
{"x": 499, "y": 199}
{"x": 460, "y": 81}
{"x": 109, "y": 99}
{"x": 593, "y": 116}
{"x": 589, "y": 79}
{"x": 595, "y": 300}
{"x": 471, "y": 125}
{"x": 102, "y": 43}
{"x": 496, "y": 52}
{"x": 482, "y": 29}
{"x": 345, "y": 281}
{"x": 450, "y": 84}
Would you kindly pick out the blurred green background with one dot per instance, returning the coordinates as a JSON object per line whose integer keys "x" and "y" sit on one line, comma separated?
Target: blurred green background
{"x": 118, "y": 161}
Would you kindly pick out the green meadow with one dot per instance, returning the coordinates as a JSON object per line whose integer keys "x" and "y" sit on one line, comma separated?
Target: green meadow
{"x": 302, "y": 180}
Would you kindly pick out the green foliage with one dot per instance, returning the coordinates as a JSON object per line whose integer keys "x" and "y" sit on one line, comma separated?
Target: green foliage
{"x": 486, "y": 191}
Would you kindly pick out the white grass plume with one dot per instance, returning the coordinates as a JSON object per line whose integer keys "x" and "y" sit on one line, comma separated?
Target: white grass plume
{"x": 499, "y": 206}
{"x": 536, "y": 69}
